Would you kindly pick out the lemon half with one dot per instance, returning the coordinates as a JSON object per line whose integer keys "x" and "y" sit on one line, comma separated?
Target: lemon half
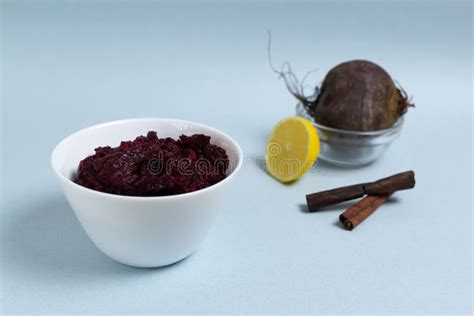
{"x": 292, "y": 149}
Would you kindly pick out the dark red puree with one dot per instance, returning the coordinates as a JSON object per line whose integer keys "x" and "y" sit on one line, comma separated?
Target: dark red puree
{"x": 152, "y": 166}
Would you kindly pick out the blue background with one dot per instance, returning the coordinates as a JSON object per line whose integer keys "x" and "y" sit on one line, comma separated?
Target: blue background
{"x": 66, "y": 66}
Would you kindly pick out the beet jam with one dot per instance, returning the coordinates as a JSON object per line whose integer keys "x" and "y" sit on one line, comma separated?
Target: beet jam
{"x": 152, "y": 166}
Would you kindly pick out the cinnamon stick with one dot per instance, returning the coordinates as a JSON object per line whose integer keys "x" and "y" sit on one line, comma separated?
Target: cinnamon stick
{"x": 322, "y": 199}
{"x": 400, "y": 181}
{"x": 358, "y": 212}
{"x": 397, "y": 182}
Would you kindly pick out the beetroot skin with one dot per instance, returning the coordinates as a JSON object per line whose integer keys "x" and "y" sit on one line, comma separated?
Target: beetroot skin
{"x": 152, "y": 166}
{"x": 358, "y": 95}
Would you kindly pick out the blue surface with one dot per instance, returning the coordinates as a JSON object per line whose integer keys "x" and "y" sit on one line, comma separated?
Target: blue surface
{"x": 69, "y": 66}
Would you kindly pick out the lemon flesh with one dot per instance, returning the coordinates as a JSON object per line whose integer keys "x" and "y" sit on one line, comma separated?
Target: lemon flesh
{"x": 292, "y": 149}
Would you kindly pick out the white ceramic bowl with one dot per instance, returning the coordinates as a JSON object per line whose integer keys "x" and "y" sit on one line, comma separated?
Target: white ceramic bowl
{"x": 142, "y": 231}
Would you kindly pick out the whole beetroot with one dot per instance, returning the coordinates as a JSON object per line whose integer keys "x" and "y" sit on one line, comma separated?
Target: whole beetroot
{"x": 356, "y": 95}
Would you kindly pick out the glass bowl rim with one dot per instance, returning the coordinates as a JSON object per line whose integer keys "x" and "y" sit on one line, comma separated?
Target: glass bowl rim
{"x": 398, "y": 124}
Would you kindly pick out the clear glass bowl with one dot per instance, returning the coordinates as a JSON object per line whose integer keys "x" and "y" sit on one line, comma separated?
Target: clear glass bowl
{"x": 351, "y": 148}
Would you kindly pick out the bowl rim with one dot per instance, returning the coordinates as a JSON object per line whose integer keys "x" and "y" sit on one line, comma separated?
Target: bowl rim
{"x": 148, "y": 198}
{"x": 397, "y": 125}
